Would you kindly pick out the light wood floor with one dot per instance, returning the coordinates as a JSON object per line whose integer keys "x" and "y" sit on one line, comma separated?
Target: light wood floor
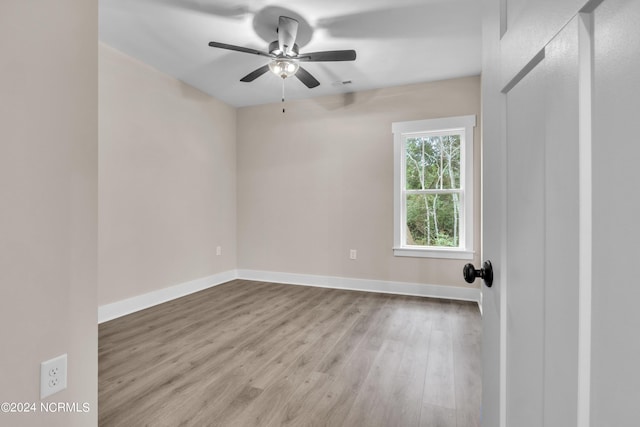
{"x": 259, "y": 354}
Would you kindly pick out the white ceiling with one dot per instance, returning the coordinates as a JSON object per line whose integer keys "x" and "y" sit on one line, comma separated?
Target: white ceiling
{"x": 397, "y": 42}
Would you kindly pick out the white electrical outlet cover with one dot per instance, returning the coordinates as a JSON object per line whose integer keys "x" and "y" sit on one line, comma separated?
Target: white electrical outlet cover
{"x": 53, "y": 376}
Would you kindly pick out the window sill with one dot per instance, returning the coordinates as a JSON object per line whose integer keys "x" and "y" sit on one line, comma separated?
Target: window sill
{"x": 433, "y": 253}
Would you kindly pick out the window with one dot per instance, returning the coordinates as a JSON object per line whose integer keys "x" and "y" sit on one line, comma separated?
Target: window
{"x": 433, "y": 187}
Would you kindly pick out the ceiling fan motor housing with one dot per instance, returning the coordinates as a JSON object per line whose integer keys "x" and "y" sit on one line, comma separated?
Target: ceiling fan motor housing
{"x": 274, "y": 49}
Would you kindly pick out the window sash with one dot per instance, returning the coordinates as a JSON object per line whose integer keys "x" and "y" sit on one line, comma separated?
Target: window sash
{"x": 430, "y": 134}
{"x": 460, "y": 191}
{"x": 462, "y": 219}
{"x": 463, "y": 126}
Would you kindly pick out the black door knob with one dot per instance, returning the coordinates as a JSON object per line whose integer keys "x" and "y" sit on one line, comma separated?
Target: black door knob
{"x": 486, "y": 273}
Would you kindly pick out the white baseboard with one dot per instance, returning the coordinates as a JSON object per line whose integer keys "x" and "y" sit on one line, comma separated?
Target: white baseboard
{"x": 366, "y": 285}
{"x": 131, "y": 305}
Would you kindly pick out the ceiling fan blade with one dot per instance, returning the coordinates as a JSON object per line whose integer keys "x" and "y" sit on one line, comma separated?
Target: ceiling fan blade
{"x": 287, "y": 33}
{"x": 329, "y": 55}
{"x": 255, "y": 74}
{"x": 306, "y": 78}
{"x": 239, "y": 49}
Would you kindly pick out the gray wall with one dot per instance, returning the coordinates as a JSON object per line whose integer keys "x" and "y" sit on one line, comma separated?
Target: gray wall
{"x": 318, "y": 181}
{"x": 167, "y": 180}
{"x": 49, "y": 202}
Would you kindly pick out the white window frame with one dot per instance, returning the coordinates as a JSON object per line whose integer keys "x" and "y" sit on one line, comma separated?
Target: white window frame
{"x": 403, "y": 130}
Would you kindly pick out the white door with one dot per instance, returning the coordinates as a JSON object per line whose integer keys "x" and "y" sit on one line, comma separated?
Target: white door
{"x": 561, "y": 212}
{"x": 542, "y": 239}
{"x": 541, "y": 242}
{"x": 615, "y": 338}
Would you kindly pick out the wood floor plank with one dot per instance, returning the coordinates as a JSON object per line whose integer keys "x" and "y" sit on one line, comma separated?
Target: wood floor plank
{"x": 375, "y": 393}
{"x": 408, "y": 388}
{"x": 335, "y": 359}
{"x": 350, "y": 374}
{"x": 437, "y": 416}
{"x": 375, "y": 397}
{"x": 251, "y": 353}
{"x": 304, "y": 398}
{"x": 439, "y": 383}
{"x": 466, "y": 348}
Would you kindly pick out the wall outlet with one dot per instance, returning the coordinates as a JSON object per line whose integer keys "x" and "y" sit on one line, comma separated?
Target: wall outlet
{"x": 353, "y": 254}
{"x": 53, "y": 376}
{"x": 218, "y": 250}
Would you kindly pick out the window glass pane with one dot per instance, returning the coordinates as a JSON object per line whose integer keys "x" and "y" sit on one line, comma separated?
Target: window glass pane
{"x": 433, "y": 220}
{"x": 432, "y": 162}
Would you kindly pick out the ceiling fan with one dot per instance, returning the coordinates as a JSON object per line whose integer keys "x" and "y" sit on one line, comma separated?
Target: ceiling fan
{"x": 285, "y": 56}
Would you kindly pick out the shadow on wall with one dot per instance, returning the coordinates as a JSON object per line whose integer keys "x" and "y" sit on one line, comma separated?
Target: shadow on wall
{"x": 336, "y": 102}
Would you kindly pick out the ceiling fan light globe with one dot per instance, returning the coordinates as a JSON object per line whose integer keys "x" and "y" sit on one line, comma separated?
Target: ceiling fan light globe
{"x": 283, "y": 67}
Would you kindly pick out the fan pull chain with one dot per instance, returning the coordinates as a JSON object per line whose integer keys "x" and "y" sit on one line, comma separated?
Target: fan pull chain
{"x": 283, "y": 96}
